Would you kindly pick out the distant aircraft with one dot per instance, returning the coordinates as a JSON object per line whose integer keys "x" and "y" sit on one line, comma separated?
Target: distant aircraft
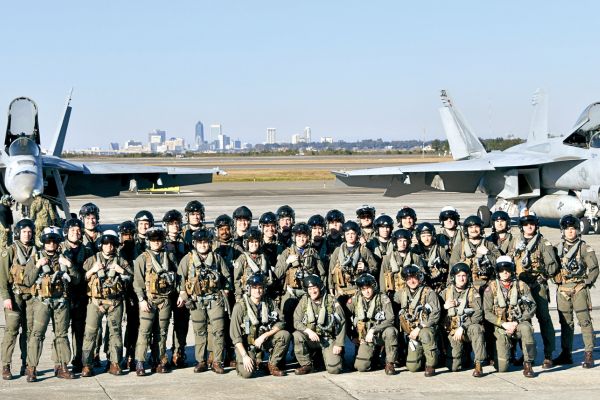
{"x": 27, "y": 173}
{"x": 550, "y": 176}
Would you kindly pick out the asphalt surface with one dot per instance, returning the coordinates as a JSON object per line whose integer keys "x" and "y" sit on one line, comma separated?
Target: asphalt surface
{"x": 308, "y": 198}
{"x": 333, "y": 162}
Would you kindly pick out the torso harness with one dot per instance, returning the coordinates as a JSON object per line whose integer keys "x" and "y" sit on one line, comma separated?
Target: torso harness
{"x": 17, "y": 269}
{"x": 203, "y": 281}
{"x": 326, "y": 321}
{"x": 160, "y": 281}
{"x": 344, "y": 273}
{"x": 393, "y": 277}
{"x": 254, "y": 325}
{"x": 107, "y": 288}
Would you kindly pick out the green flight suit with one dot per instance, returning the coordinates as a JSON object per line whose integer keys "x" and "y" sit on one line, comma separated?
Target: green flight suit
{"x": 376, "y": 314}
{"x": 380, "y": 249}
{"x": 107, "y": 291}
{"x": 343, "y": 268}
{"x": 578, "y": 273}
{"x": 154, "y": 281}
{"x": 78, "y": 299}
{"x": 248, "y": 322}
{"x": 390, "y": 275}
{"x": 444, "y": 238}
{"x": 51, "y": 301}
{"x": 468, "y": 314}
{"x": 326, "y": 318}
{"x": 536, "y": 262}
{"x": 506, "y": 243}
{"x": 436, "y": 257}
{"x": 181, "y": 315}
{"x": 501, "y": 304}
{"x": 250, "y": 263}
{"x": 12, "y": 267}
{"x": 203, "y": 282}
{"x": 481, "y": 266}
{"x": 309, "y": 263}
{"x": 419, "y": 308}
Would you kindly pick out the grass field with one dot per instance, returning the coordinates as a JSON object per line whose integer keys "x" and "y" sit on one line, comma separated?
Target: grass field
{"x": 284, "y": 168}
{"x": 264, "y": 175}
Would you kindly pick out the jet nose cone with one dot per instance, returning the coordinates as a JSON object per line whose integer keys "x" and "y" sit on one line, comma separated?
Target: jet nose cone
{"x": 23, "y": 187}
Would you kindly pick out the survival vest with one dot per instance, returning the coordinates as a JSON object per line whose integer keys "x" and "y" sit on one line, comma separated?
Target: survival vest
{"x": 17, "y": 269}
{"x": 51, "y": 284}
{"x": 475, "y": 263}
{"x": 203, "y": 276}
{"x": 250, "y": 266}
{"x": 109, "y": 285}
{"x": 325, "y": 320}
{"x": 254, "y": 325}
{"x": 367, "y": 315}
{"x": 412, "y": 307}
{"x": 344, "y": 272}
{"x": 454, "y": 314}
{"x": 307, "y": 263}
{"x": 507, "y": 308}
{"x": 393, "y": 275}
{"x": 528, "y": 257}
{"x": 159, "y": 280}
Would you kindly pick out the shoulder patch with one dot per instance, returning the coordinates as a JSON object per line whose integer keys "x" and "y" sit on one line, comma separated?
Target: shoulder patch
{"x": 488, "y": 289}
{"x": 4, "y": 253}
{"x": 547, "y": 243}
{"x": 385, "y": 300}
{"x": 476, "y": 293}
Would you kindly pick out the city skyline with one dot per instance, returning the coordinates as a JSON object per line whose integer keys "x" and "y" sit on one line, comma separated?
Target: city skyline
{"x": 352, "y": 70}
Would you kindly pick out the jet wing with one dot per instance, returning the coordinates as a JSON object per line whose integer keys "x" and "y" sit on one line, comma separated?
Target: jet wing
{"x": 455, "y": 176}
{"x": 107, "y": 179}
{"x": 516, "y": 159}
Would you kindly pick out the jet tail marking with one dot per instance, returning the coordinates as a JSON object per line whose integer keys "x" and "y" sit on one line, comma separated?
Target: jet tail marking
{"x": 538, "y": 130}
{"x": 61, "y": 131}
{"x": 463, "y": 142}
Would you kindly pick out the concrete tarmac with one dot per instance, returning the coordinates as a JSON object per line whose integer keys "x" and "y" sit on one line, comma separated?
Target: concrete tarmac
{"x": 308, "y": 198}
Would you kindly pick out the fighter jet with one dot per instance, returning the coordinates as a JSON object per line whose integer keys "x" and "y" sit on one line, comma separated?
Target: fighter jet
{"x": 550, "y": 176}
{"x": 27, "y": 173}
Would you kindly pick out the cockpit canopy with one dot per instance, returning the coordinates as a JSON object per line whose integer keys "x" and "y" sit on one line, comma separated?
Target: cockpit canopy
{"x": 22, "y": 121}
{"x": 23, "y": 146}
{"x": 587, "y": 129}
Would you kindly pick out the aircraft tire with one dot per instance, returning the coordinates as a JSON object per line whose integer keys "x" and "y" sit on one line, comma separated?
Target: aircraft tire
{"x": 485, "y": 214}
{"x": 596, "y": 226}
{"x": 586, "y": 225}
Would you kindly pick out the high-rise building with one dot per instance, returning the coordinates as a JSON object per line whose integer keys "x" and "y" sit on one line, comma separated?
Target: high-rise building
{"x": 176, "y": 145}
{"x": 199, "y": 134}
{"x": 114, "y": 146}
{"x": 132, "y": 143}
{"x": 224, "y": 142}
{"x": 158, "y": 136}
{"x": 271, "y": 136}
{"x": 215, "y": 131}
{"x": 298, "y": 138}
{"x": 307, "y": 134}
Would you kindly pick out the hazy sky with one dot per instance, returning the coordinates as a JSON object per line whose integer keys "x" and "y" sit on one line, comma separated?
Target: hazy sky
{"x": 347, "y": 69}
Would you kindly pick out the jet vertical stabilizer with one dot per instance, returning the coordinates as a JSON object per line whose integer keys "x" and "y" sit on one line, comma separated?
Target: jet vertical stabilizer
{"x": 61, "y": 131}
{"x": 538, "y": 130}
{"x": 463, "y": 142}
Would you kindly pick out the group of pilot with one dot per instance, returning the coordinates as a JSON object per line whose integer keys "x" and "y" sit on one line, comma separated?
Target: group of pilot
{"x": 415, "y": 296}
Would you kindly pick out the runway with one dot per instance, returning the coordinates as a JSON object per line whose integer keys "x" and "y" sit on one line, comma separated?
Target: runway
{"x": 308, "y": 198}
